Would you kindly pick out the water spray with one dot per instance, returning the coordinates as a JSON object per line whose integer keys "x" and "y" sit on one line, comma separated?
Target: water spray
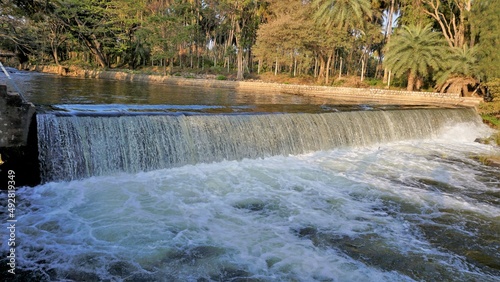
{"x": 13, "y": 83}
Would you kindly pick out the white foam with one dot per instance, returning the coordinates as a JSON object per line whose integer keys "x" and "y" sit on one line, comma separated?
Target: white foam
{"x": 465, "y": 132}
{"x": 249, "y": 214}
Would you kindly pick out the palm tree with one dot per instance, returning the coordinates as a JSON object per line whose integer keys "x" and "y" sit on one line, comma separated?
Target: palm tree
{"x": 415, "y": 51}
{"x": 342, "y": 13}
{"x": 461, "y": 62}
{"x": 459, "y": 71}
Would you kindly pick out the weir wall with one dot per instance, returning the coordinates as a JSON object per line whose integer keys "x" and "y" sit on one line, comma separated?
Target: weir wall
{"x": 18, "y": 143}
{"x": 15, "y": 119}
{"x": 344, "y": 94}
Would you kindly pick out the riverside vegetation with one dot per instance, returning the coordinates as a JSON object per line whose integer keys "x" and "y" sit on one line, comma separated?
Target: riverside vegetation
{"x": 423, "y": 45}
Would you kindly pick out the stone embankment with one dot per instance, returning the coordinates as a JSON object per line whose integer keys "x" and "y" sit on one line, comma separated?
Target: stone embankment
{"x": 15, "y": 119}
{"x": 339, "y": 94}
{"x": 18, "y": 145}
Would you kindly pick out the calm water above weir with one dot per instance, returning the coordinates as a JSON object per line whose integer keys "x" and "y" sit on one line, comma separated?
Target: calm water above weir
{"x": 303, "y": 195}
{"x": 119, "y": 96}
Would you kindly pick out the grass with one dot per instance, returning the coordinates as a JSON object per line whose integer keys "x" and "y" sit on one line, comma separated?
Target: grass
{"x": 496, "y": 138}
{"x": 491, "y": 120}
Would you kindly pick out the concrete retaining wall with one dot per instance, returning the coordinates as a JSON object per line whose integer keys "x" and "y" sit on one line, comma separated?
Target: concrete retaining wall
{"x": 362, "y": 95}
{"x": 18, "y": 140}
{"x": 15, "y": 119}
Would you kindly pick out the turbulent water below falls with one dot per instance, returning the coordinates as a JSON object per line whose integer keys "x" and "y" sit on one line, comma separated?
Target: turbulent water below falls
{"x": 421, "y": 210}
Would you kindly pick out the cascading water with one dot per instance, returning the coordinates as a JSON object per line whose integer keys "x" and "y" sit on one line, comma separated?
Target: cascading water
{"x": 76, "y": 147}
{"x": 349, "y": 196}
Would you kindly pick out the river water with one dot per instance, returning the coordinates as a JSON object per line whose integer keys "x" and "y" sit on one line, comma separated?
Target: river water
{"x": 401, "y": 209}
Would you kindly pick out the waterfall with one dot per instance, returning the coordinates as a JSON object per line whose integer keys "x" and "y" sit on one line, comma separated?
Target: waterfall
{"x": 75, "y": 147}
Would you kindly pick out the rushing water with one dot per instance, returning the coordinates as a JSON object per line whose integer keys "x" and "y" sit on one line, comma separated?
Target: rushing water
{"x": 402, "y": 197}
{"x": 73, "y": 147}
{"x": 399, "y": 211}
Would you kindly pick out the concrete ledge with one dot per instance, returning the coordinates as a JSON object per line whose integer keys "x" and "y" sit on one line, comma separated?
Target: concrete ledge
{"x": 15, "y": 119}
{"x": 18, "y": 140}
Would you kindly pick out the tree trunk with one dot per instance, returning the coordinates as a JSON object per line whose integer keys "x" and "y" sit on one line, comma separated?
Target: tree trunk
{"x": 171, "y": 66}
{"x": 340, "y": 68}
{"x": 411, "y": 81}
{"x": 94, "y": 47}
{"x": 419, "y": 82}
{"x": 388, "y": 33}
{"x": 362, "y": 69}
{"x": 322, "y": 64}
{"x": 316, "y": 67}
{"x": 294, "y": 66}
{"x": 55, "y": 55}
{"x": 276, "y": 68}
{"x": 327, "y": 76}
{"x": 239, "y": 61}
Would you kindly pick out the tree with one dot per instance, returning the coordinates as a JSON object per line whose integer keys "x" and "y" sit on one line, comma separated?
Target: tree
{"x": 89, "y": 22}
{"x": 411, "y": 13}
{"x": 245, "y": 16}
{"x": 19, "y": 28}
{"x": 388, "y": 30}
{"x": 459, "y": 71}
{"x": 486, "y": 23}
{"x": 451, "y": 16}
{"x": 287, "y": 37}
{"x": 166, "y": 33}
{"x": 342, "y": 14}
{"x": 415, "y": 51}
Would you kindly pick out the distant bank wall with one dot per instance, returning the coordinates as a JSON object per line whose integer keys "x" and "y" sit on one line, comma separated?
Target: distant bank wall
{"x": 344, "y": 94}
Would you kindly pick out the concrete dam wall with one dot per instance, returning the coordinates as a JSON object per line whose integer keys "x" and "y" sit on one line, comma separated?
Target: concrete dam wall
{"x": 18, "y": 143}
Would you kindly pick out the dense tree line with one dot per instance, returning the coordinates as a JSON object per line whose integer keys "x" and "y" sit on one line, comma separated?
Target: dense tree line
{"x": 423, "y": 43}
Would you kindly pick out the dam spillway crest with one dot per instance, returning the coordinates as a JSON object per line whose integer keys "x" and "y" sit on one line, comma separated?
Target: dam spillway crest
{"x": 75, "y": 147}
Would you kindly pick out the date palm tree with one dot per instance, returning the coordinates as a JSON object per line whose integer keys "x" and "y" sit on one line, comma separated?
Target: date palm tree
{"x": 459, "y": 72}
{"x": 416, "y": 51}
{"x": 342, "y": 13}
{"x": 462, "y": 61}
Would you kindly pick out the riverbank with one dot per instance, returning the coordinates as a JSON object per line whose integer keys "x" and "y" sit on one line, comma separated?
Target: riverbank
{"x": 340, "y": 94}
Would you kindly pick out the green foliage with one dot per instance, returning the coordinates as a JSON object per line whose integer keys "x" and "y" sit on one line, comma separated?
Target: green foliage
{"x": 494, "y": 88}
{"x": 291, "y": 37}
{"x": 485, "y": 18}
{"x": 490, "y": 112}
{"x": 412, "y": 13}
{"x": 375, "y": 82}
{"x": 459, "y": 62}
{"x": 342, "y": 14}
{"x": 221, "y": 77}
{"x": 491, "y": 119}
{"x": 286, "y": 39}
{"x": 415, "y": 51}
